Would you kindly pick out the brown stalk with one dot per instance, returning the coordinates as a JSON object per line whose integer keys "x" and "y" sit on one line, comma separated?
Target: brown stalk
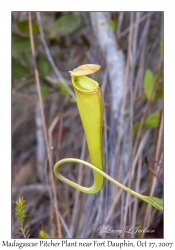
{"x": 44, "y": 125}
{"x": 153, "y": 172}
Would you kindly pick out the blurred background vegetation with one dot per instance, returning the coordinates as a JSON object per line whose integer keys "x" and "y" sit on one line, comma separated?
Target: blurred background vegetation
{"x": 129, "y": 47}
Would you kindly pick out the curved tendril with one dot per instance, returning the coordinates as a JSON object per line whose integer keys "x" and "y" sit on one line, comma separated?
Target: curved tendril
{"x": 92, "y": 189}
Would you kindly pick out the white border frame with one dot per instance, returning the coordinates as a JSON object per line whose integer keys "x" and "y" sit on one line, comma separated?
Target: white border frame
{"x": 5, "y": 94}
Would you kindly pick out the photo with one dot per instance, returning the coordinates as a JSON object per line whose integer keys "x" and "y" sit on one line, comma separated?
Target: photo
{"x": 87, "y": 125}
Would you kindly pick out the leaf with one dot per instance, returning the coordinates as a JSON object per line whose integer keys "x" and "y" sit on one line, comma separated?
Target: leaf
{"x": 23, "y": 26}
{"x": 162, "y": 47}
{"x": 152, "y": 120}
{"x": 20, "y": 44}
{"x": 136, "y": 127}
{"x": 155, "y": 202}
{"x": 62, "y": 89}
{"x": 148, "y": 85}
{"x": 44, "y": 66}
{"x": 65, "y": 25}
{"x": 19, "y": 70}
{"x": 44, "y": 91}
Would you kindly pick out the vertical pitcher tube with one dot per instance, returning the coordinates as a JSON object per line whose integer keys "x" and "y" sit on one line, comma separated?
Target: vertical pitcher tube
{"x": 90, "y": 106}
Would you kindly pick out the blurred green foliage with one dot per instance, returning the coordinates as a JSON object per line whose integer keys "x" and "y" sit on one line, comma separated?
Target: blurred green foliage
{"x": 136, "y": 126}
{"x": 19, "y": 45}
{"x": 23, "y": 26}
{"x": 62, "y": 89}
{"x": 44, "y": 66}
{"x": 19, "y": 70}
{"x": 149, "y": 85}
{"x": 59, "y": 25}
{"x": 112, "y": 24}
{"x": 152, "y": 120}
{"x": 65, "y": 25}
{"x": 160, "y": 93}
